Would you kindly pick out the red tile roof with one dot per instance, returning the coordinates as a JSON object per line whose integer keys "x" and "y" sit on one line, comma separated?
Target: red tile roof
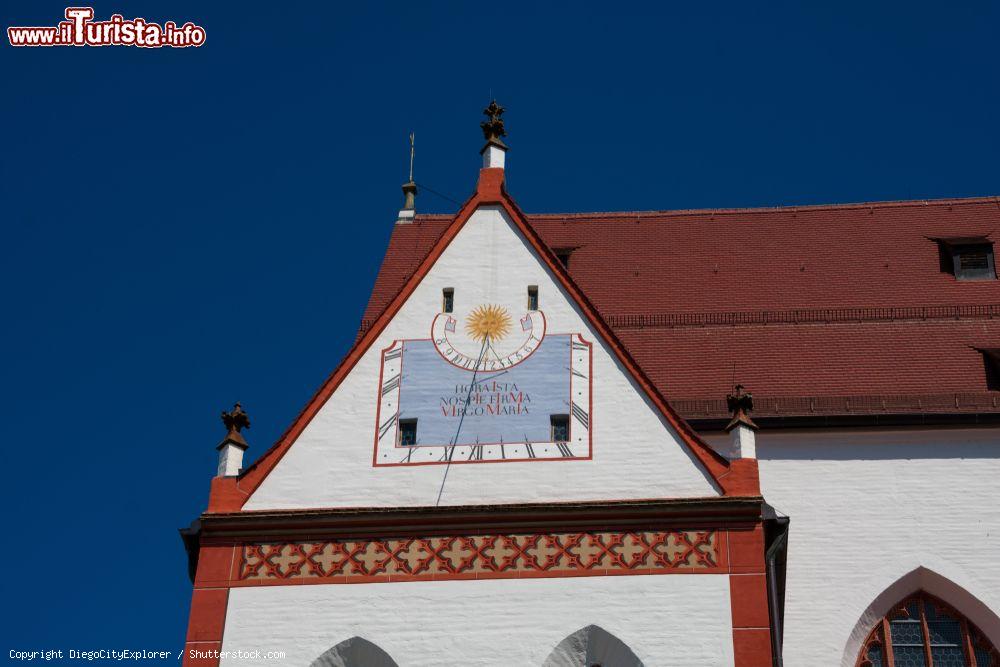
{"x": 808, "y": 302}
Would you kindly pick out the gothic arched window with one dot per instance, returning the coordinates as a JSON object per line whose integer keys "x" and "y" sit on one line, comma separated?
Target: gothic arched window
{"x": 922, "y": 631}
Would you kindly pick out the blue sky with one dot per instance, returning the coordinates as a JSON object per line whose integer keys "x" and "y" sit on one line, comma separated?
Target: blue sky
{"x": 187, "y": 228}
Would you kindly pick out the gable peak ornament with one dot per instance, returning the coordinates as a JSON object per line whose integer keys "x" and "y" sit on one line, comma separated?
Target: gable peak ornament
{"x": 493, "y": 128}
{"x": 233, "y": 445}
{"x": 235, "y": 421}
{"x": 740, "y": 405}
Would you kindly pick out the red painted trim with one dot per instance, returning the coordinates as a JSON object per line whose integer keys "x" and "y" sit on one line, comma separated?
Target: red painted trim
{"x": 967, "y": 647}
{"x": 748, "y": 598}
{"x": 206, "y": 626}
{"x": 215, "y": 563}
{"x": 752, "y": 647}
{"x": 746, "y": 550}
{"x": 225, "y": 496}
{"x": 744, "y": 478}
{"x": 208, "y": 654}
{"x": 749, "y": 601}
{"x": 209, "y": 603}
{"x": 887, "y": 642}
{"x": 926, "y": 631}
{"x": 490, "y": 190}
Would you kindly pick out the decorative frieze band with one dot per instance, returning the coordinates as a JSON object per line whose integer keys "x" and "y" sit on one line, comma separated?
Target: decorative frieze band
{"x": 480, "y": 556}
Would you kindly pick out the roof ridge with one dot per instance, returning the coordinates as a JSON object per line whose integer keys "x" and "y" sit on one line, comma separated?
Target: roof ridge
{"x": 901, "y": 203}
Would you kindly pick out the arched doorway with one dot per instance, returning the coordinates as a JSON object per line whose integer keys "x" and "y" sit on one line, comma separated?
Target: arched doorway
{"x": 923, "y": 631}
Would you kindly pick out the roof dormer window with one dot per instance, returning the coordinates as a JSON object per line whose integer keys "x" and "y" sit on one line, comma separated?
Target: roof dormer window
{"x": 991, "y": 362}
{"x": 974, "y": 262}
{"x": 968, "y": 258}
{"x": 562, "y": 254}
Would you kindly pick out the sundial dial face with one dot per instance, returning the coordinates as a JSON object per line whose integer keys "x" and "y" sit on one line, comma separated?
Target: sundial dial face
{"x": 488, "y": 385}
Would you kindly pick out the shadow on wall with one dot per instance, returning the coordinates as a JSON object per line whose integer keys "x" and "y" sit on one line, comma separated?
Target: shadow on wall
{"x": 849, "y": 445}
{"x": 921, "y": 579}
{"x": 354, "y": 652}
{"x": 591, "y": 646}
{"x": 587, "y": 647}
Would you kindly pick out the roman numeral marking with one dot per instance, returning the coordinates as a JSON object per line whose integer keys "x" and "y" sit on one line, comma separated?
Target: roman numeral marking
{"x": 477, "y": 453}
{"x": 581, "y": 415}
{"x": 531, "y": 450}
{"x": 390, "y": 385}
{"x": 387, "y": 425}
{"x": 580, "y": 346}
{"x": 564, "y": 449}
{"x": 395, "y": 354}
{"x": 577, "y": 373}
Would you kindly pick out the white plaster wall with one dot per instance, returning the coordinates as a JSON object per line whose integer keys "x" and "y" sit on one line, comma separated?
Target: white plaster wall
{"x": 679, "y": 620}
{"x": 869, "y": 507}
{"x": 635, "y": 453}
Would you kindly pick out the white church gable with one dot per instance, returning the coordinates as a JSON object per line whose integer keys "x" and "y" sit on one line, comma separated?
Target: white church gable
{"x": 525, "y": 399}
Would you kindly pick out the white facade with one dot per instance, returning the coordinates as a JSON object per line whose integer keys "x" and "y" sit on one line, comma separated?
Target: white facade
{"x": 876, "y": 515}
{"x": 636, "y": 454}
{"x": 491, "y": 623}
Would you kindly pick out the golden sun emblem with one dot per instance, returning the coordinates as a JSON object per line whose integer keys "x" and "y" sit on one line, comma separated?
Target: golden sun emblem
{"x": 490, "y": 321}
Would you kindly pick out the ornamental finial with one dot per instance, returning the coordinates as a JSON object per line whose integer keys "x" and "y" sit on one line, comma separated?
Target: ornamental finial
{"x": 739, "y": 400}
{"x": 235, "y": 421}
{"x": 493, "y": 128}
{"x": 740, "y": 406}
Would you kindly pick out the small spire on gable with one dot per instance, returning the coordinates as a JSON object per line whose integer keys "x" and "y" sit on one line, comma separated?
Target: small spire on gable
{"x": 741, "y": 428}
{"x": 233, "y": 445}
{"x": 495, "y": 149}
{"x": 740, "y": 405}
{"x": 409, "y": 191}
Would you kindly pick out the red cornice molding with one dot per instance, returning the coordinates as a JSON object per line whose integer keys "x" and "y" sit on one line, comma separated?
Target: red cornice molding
{"x": 375, "y": 521}
{"x": 489, "y": 191}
